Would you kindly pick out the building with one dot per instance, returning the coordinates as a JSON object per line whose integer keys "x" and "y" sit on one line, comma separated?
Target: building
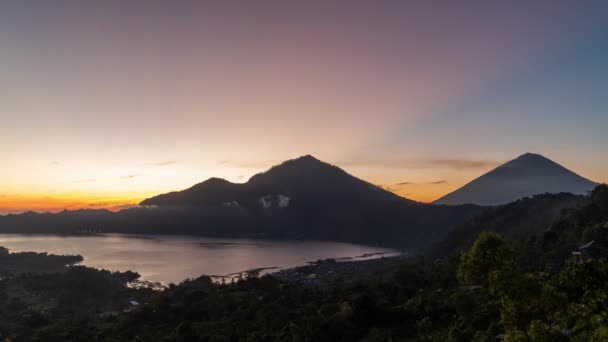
{"x": 590, "y": 251}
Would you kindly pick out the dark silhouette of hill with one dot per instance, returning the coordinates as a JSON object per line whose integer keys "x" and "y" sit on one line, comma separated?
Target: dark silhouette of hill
{"x": 529, "y": 174}
{"x": 546, "y": 228}
{"x": 211, "y": 192}
{"x": 517, "y": 220}
{"x": 302, "y": 198}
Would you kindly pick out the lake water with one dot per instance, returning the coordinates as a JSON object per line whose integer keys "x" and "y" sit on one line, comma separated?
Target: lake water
{"x": 169, "y": 259}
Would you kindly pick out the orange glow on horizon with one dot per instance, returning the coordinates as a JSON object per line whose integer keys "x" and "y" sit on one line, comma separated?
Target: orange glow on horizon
{"x": 40, "y": 203}
{"x": 421, "y": 192}
{"x": 56, "y": 203}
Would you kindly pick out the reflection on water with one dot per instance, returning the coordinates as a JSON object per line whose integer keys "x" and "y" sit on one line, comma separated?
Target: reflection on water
{"x": 174, "y": 258}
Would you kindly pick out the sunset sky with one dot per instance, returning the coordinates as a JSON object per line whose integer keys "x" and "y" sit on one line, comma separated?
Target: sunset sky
{"x": 104, "y": 104}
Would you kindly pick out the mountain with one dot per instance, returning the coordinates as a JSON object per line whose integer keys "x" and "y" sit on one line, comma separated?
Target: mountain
{"x": 527, "y": 175}
{"x": 303, "y": 198}
{"x": 305, "y": 181}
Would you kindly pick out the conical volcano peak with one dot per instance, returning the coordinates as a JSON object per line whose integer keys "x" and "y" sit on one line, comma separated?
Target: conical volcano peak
{"x": 532, "y": 158}
{"x": 307, "y": 157}
{"x": 303, "y": 160}
{"x": 528, "y": 160}
{"x": 293, "y": 170}
{"x": 303, "y": 164}
{"x": 527, "y": 175}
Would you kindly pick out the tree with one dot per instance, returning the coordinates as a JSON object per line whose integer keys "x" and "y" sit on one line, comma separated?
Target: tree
{"x": 542, "y": 332}
{"x": 599, "y": 196}
{"x": 489, "y": 253}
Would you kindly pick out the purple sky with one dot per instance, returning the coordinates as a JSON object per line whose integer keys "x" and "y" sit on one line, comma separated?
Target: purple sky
{"x": 103, "y": 104}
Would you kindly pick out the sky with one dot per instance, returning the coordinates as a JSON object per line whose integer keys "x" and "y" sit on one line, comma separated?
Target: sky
{"x": 103, "y": 104}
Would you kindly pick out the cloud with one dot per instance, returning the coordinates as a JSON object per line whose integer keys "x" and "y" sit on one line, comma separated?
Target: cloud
{"x": 275, "y": 201}
{"x": 128, "y": 177}
{"x": 436, "y": 163}
{"x": 111, "y": 207}
{"x": 414, "y": 163}
{"x": 417, "y": 183}
{"x": 266, "y": 201}
{"x": 284, "y": 201}
{"x": 404, "y": 183}
{"x": 399, "y": 186}
{"x": 54, "y": 163}
{"x": 123, "y": 207}
{"x": 231, "y": 204}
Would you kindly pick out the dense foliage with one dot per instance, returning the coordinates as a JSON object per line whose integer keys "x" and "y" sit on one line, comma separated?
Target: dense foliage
{"x": 518, "y": 220}
{"x": 17, "y": 263}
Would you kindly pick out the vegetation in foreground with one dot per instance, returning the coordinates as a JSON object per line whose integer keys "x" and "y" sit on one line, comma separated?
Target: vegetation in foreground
{"x": 12, "y": 264}
{"x": 530, "y": 289}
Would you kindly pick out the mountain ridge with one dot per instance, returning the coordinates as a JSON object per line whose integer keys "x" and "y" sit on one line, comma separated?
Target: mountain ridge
{"x": 305, "y": 176}
{"x": 299, "y": 199}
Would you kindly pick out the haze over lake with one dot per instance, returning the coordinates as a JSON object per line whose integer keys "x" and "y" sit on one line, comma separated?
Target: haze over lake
{"x": 174, "y": 258}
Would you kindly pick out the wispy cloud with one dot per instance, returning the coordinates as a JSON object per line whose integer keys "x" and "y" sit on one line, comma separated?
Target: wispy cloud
{"x": 128, "y": 177}
{"x": 445, "y": 163}
{"x": 54, "y": 163}
{"x": 415, "y": 183}
{"x": 414, "y": 163}
{"x": 404, "y": 183}
{"x": 124, "y": 206}
{"x": 111, "y": 207}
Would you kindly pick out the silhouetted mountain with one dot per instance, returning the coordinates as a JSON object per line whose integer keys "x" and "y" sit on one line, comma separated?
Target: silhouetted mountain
{"x": 211, "y": 192}
{"x": 304, "y": 181}
{"x": 302, "y": 198}
{"x": 528, "y": 175}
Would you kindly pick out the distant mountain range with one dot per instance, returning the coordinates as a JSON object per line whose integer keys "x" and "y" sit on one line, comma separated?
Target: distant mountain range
{"x": 303, "y": 198}
{"x": 527, "y": 175}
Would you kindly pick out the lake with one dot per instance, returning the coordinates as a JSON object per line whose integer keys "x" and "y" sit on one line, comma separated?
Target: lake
{"x": 171, "y": 259}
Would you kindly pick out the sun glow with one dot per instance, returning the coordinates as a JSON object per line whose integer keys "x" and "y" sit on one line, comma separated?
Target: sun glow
{"x": 72, "y": 201}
